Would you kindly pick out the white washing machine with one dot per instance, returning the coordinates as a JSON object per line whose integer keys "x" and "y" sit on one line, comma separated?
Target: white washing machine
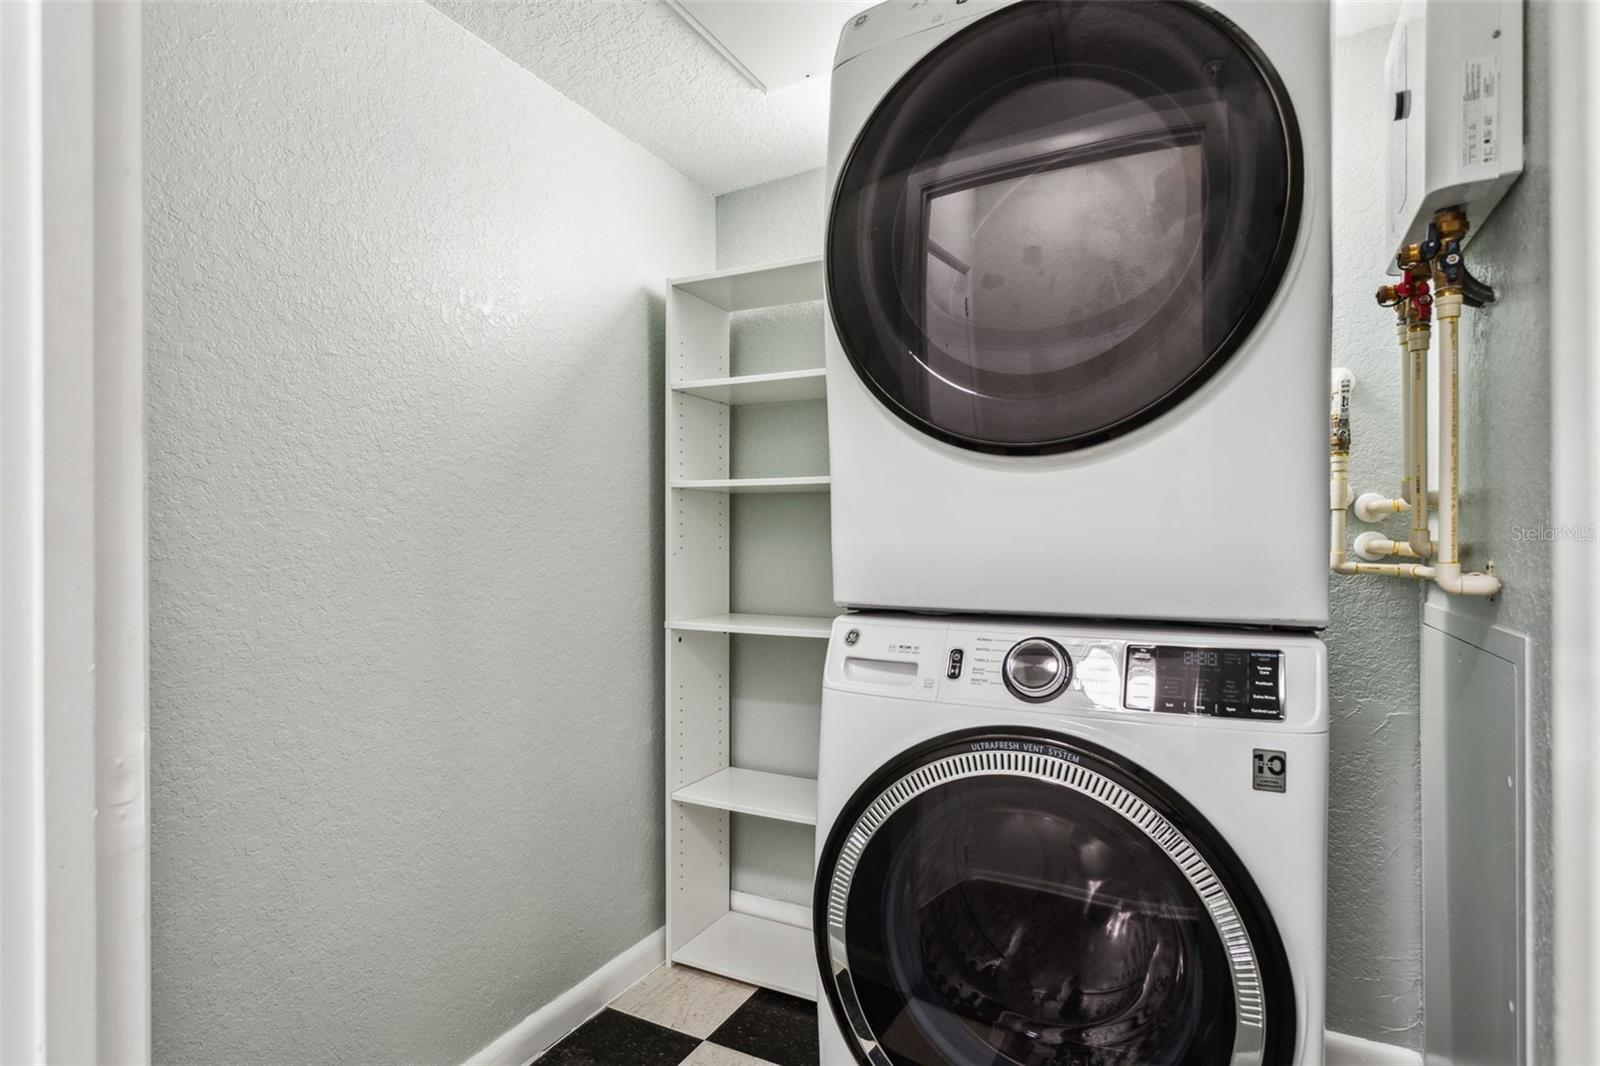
{"x": 1062, "y": 845}
{"x": 1079, "y": 309}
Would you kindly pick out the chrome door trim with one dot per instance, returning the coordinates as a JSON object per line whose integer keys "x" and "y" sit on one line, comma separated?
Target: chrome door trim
{"x": 1245, "y": 970}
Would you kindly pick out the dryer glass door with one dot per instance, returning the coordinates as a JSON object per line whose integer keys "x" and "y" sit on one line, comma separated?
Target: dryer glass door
{"x": 1062, "y": 220}
{"x": 1014, "y": 900}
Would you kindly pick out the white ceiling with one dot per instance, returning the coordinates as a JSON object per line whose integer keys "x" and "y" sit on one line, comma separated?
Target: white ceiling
{"x": 642, "y": 69}
{"x": 776, "y": 43}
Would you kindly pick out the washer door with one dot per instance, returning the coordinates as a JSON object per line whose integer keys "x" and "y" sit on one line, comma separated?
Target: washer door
{"x": 1062, "y": 220}
{"x": 1018, "y": 898}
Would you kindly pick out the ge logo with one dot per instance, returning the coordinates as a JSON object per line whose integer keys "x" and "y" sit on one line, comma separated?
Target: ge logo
{"x": 1271, "y": 770}
{"x": 851, "y": 637}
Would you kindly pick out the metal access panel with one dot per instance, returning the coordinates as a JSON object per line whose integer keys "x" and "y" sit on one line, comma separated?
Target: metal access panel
{"x": 1474, "y": 854}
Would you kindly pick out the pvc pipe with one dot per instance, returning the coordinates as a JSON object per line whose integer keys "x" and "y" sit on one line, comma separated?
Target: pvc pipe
{"x": 1408, "y": 462}
{"x": 1417, "y": 334}
{"x": 1450, "y": 578}
{"x": 1338, "y": 463}
{"x": 1415, "y": 571}
{"x": 1375, "y": 547}
{"x": 1449, "y": 426}
{"x": 1373, "y": 508}
{"x": 1338, "y": 492}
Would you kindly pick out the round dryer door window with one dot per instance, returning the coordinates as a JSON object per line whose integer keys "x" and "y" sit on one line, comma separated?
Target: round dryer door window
{"x": 1062, "y": 220}
{"x": 1021, "y": 899}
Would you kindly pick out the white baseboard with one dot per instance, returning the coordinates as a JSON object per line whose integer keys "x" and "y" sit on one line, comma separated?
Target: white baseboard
{"x": 539, "y": 1031}
{"x": 536, "y": 1033}
{"x": 1341, "y": 1049}
{"x": 774, "y": 910}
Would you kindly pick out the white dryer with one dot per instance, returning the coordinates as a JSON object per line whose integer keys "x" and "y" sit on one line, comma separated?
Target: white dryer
{"x": 1065, "y": 845}
{"x": 1079, "y": 308}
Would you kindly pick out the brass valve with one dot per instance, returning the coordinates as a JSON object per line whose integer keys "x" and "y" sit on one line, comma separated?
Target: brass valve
{"x": 1450, "y": 273}
{"x": 1437, "y": 260}
{"x": 1452, "y": 224}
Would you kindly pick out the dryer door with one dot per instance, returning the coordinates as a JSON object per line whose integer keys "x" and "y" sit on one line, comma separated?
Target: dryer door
{"x": 1062, "y": 220}
{"x": 1022, "y": 898}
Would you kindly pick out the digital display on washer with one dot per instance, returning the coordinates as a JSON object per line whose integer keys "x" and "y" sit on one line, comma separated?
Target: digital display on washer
{"x": 1225, "y": 682}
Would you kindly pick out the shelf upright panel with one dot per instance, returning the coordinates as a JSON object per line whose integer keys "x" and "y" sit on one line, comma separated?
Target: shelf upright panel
{"x": 698, "y": 842}
{"x": 697, "y": 337}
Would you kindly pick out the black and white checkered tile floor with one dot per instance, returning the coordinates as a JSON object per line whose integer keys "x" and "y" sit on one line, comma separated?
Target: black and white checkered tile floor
{"x": 682, "y": 1017}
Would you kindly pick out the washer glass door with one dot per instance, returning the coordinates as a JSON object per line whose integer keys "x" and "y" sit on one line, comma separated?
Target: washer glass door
{"x": 1062, "y": 220}
{"x": 988, "y": 905}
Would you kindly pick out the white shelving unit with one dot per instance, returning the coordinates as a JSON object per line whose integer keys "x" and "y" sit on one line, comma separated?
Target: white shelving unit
{"x": 704, "y": 789}
{"x": 755, "y": 484}
{"x": 787, "y": 799}
{"x": 786, "y": 386}
{"x": 758, "y": 951}
{"x": 761, "y": 625}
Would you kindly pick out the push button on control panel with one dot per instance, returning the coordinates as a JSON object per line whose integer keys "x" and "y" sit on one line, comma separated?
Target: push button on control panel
{"x": 957, "y": 658}
{"x": 1222, "y": 682}
{"x": 1266, "y": 690}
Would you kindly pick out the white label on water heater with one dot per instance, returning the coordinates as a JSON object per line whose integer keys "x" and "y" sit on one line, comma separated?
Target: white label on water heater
{"x": 1480, "y": 110}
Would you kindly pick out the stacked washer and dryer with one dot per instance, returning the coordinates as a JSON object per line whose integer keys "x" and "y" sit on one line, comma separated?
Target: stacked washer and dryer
{"x": 1072, "y": 786}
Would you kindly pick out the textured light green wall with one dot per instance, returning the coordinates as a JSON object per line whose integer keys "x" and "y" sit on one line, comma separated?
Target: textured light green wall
{"x": 405, "y": 335}
{"x": 1374, "y": 794}
{"x": 1374, "y": 893}
{"x": 1505, "y": 426}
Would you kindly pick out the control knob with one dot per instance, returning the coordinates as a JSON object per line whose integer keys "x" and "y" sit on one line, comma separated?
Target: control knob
{"x": 1037, "y": 669}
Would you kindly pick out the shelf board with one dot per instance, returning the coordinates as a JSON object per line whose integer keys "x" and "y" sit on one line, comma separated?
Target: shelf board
{"x": 765, "y": 625}
{"x": 789, "y": 386}
{"x": 791, "y": 282}
{"x": 757, "y": 951}
{"x": 758, "y": 484}
{"x": 775, "y": 796}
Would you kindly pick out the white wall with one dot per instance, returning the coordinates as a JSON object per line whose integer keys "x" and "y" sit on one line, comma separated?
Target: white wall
{"x": 405, "y": 335}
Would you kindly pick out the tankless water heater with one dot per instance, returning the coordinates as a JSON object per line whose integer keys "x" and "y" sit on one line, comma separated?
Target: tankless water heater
{"x": 1454, "y": 76}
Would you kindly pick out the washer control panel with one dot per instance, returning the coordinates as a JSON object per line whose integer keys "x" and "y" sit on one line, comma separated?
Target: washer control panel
{"x": 1223, "y": 682}
{"x": 1006, "y": 664}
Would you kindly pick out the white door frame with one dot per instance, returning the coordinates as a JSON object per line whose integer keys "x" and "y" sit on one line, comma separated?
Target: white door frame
{"x": 1575, "y": 493}
{"x": 74, "y": 811}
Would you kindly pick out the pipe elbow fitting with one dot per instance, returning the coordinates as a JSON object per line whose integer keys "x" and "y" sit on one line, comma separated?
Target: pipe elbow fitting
{"x": 1372, "y": 545}
{"x": 1373, "y": 507}
{"x": 1451, "y": 579}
